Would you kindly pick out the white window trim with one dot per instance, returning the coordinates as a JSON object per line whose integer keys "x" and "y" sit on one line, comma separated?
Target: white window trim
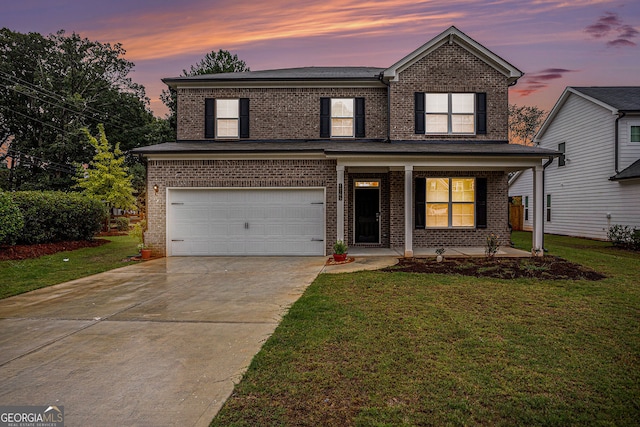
{"x": 450, "y": 203}
{"x": 352, "y": 117}
{"x": 632, "y": 124}
{"x": 450, "y": 114}
{"x": 237, "y": 118}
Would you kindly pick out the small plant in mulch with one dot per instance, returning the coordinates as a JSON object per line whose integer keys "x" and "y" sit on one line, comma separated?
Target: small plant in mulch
{"x": 545, "y": 268}
{"x": 492, "y": 245}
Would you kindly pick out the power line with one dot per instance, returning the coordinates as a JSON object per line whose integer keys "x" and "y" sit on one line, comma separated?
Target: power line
{"x": 60, "y": 101}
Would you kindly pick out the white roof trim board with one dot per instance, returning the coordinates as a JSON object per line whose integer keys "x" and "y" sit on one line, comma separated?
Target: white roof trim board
{"x": 454, "y": 35}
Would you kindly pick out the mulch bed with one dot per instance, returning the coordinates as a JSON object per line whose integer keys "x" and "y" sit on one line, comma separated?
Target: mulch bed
{"x": 545, "y": 268}
{"x": 331, "y": 261}
{"x": 19, "y": 252}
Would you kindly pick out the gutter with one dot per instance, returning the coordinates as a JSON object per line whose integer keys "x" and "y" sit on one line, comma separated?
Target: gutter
{"x": 621, "y": 114}
{"x": 388, "y": 85}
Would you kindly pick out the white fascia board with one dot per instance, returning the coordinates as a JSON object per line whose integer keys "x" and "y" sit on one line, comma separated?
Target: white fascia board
{"x": 441, "y": 163}
{"x": 568, "y": 91}
{"x": 453, "y": 35}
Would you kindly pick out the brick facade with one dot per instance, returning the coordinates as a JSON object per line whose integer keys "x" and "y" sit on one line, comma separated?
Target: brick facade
{"x": 281, "y": 113}
{"x": 234, "y": 174}
{"x": 497, "y": 212}
{"x": 449, "y": 69}
{"x": 288, "y": 112}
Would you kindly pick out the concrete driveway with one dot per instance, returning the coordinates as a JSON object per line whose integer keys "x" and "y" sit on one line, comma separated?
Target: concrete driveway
{"x": 160, "y": 343}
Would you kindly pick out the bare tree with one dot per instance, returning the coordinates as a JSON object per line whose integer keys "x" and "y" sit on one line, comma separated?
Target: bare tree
{"x": 524, "y": 123}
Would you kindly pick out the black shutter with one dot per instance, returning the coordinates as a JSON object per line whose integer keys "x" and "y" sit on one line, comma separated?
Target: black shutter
{"x": 420, "y": 199}
{"x": 325, "y": 117}
{"x": 481, "y": 113}
{"x": 209, "y": 118}
{"x": 419, "y": 110}
{"x": 359, "y": 117}
{"x": 481, "y": 202}
{"x": 244, "y": 117}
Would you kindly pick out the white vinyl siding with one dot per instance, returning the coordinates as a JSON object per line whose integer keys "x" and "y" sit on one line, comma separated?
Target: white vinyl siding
{"x": 582, "y": 193}
{"x": 523, "y": 186}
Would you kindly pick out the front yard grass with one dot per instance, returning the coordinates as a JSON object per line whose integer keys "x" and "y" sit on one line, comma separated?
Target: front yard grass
{"x": 17, "y": 277}
{"x": 389, "y": 349}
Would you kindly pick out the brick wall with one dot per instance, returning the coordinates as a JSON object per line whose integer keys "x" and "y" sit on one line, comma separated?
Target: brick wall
{"x": 234, "y": 173}
{"x": 497, "y": 213}
{"x": 281, "y": 113}
{"x": 449, "y": 69}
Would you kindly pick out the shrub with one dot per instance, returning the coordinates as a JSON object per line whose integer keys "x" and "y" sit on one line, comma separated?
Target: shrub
{"x": 620, "y": 235}
{"x": 53, "y": 216}
{"x": 11, "y": 221}
{"x": 122, "y": 223}
{"x": 624, "y": 236}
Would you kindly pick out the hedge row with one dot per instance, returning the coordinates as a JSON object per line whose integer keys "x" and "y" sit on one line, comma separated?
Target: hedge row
{"x": 53, "y": 216}
{"x": 11, "y": 221}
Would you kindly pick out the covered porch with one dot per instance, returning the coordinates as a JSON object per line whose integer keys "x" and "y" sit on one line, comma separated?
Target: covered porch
{"x": 405, "y": 238}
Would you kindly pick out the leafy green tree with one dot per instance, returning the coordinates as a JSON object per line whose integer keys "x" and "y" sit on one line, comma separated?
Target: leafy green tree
{"x": 53, "y": 86}
{"x": 524, "y": 123}
{"x": 214, "y": 62}
{"x": 107, "y": 177}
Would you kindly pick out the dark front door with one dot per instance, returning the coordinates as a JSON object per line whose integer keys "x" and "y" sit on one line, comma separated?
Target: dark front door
{"x": 367, "y": 215}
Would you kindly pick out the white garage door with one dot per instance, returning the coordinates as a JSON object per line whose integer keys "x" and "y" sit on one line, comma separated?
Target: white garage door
{"x": 245, "y": 222}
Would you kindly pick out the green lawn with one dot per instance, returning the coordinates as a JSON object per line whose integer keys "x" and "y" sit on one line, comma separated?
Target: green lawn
{"x": 17, "y": 277}
{"x": 389, "y": 349}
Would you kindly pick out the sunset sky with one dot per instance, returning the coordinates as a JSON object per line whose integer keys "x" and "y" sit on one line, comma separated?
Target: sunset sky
{"x": 557, "y": 43}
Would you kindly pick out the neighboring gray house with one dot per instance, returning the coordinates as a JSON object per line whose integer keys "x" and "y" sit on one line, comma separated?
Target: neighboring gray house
{"x": 596, "y": 182}
{"x": 286, "y": 162}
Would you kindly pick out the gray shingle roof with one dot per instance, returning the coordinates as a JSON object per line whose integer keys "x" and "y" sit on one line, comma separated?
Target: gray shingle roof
{"x": 402, "y": 148}
{"x": 623, "y": 98}
{"x": 304, "y": 73}
{"x": 631, "y": 172}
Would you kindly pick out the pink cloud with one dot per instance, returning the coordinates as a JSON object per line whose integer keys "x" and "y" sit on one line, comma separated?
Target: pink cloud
{"x": 531, "y": 83}
{"x": 611, "y": 24}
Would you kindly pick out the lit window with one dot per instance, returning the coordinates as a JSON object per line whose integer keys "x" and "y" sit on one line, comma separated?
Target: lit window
{"x": 342, "y": 117}
{"x": 227, "y": 118}
{"x": 450, "y": 113}
{"x": 450, "y": 202}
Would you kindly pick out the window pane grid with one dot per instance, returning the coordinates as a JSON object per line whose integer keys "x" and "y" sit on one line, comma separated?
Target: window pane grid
{"x": 450, "y": 113}
{"x": 450, "y": 202}
{"x": 342, "y": 117}
{"x": 635, "y": 133}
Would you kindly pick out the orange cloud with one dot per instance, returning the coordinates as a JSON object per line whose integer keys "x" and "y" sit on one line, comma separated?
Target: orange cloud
{"x": 169, "y": 33}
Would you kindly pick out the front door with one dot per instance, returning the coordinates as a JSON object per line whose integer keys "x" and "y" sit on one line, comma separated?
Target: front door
{"x": 367, "y": 211}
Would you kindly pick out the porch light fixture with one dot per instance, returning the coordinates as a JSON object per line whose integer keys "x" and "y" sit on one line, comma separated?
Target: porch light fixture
{"x": 156, "y": 188}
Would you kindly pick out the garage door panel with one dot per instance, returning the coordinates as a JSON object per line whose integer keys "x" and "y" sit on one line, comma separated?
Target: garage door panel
{"x": 246, "y": 222}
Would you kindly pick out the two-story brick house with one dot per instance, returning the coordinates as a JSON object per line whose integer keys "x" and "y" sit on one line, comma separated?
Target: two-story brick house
{"x": 286, "y": 162}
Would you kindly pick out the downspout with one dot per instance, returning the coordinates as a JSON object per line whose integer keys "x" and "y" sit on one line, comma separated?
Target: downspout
{"x": 621, "y": 114}
{"x": 388, "y": 84}
{"x": 543, "y": 198}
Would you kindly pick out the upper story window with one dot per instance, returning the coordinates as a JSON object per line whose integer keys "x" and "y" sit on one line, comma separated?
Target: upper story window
{"x": 561, "y": 159}
{"x": 226, "y": 118}
{"x": 634, "y": 133}
{"x": 342, "y": 117}
{"x": 450, "y": 113}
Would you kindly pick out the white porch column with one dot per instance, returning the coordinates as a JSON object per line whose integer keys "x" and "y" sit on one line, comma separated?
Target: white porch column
{"x": 340, "y": 203}
{"x": 538, "y": 211}
{"x": 408, "y": 211}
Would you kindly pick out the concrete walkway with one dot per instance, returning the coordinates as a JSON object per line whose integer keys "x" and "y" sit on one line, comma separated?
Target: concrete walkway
{"x": 160, "y": 343}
